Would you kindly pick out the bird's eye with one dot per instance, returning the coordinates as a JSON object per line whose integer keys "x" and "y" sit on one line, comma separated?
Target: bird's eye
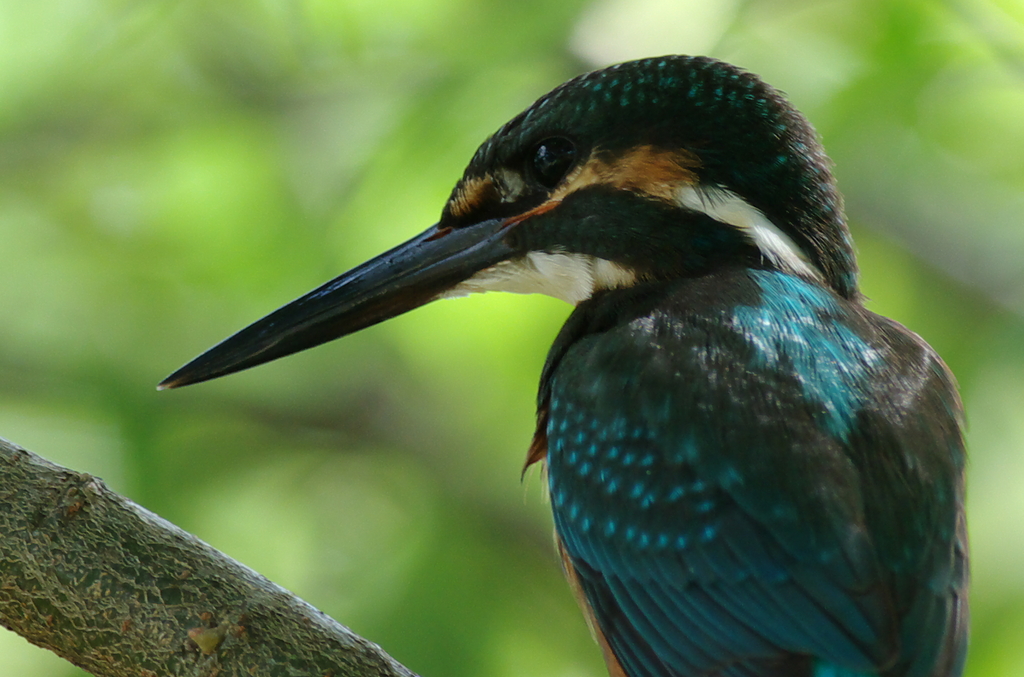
{"x": 552, "y": 160}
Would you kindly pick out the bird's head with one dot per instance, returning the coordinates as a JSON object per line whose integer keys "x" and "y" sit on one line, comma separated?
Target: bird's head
{"x": 646, "y": 171}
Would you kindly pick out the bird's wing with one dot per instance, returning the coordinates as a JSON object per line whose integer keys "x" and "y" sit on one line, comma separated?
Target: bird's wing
{"x": 711, "y": 502}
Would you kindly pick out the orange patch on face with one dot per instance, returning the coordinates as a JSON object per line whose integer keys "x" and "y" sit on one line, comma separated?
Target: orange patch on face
{"x": 647, "y": 170}
{"x": 471, "y": 194}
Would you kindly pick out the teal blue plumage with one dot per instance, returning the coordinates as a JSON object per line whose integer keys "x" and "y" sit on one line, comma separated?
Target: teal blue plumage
{"x": 751, "y": 475}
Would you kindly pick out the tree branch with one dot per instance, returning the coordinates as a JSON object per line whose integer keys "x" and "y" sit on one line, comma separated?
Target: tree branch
{"x": 119, "y": 591}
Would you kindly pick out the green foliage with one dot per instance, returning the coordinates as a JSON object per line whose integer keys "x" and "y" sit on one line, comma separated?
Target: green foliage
{"x": 170, "y": 171}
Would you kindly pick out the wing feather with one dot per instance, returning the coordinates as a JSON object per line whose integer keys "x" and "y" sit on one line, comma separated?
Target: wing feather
{"x": 718, "y": 517}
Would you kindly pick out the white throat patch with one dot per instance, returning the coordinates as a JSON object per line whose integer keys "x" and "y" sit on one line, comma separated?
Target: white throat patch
{"x": 574, "y": 278}
{"x": 571, "y": 277}
{"x": 728, "y": 207}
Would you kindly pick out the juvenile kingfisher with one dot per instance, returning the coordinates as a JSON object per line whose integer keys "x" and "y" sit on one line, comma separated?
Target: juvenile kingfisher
{"x": 751, "y": 474}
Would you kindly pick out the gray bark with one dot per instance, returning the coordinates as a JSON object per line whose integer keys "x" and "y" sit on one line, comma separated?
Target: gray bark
{"x": 119, "y": 591}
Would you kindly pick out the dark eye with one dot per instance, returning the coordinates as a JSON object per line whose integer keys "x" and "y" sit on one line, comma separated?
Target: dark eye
{"x": 552, "y": 160}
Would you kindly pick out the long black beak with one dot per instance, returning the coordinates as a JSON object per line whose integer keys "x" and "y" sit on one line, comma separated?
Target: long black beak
{"x": 410, "y": 275}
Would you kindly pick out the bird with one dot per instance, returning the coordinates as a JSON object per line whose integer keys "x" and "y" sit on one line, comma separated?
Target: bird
{"x": 751, "y": 474}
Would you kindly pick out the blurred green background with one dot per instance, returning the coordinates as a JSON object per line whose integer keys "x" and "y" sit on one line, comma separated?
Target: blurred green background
{"x": 170, "y": 171}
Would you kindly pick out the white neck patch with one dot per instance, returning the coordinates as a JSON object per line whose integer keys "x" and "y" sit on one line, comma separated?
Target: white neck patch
{"x": 571, "y": 277}
{"x": 574, "y": 278}
{"x": 728, "y": 207}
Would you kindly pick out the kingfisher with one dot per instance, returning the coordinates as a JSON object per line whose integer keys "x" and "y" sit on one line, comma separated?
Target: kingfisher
{"x": 751, "y": 474}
